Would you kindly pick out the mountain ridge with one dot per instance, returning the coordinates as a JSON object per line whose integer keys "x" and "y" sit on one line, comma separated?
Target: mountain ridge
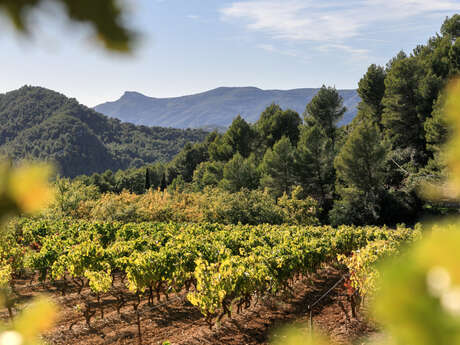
{"x": 38, "y": 123}
{"x": 214, "y": 108}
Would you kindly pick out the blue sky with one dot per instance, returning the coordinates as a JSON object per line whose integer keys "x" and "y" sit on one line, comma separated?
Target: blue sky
{"x": 189, "y": 46}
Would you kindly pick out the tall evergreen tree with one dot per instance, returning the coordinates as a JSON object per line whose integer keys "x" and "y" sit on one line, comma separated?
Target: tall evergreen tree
{"x": 186, "y": 161}
{"x": 163, "y": 182}
{"x": 278, "y": 167}
{"x": 274, "y": 123}
{"x": 219, "y": 149}
{"x": 239, "y": 137}
{"x": 401, "y": 118}
{"x": 442, "y": 57}
{"x": 314, "y": 163}
{"x": 147, "y": 179}
{"x": 436, "y": 127}
{"x": 360, "y": 167}
{"x": 208, "y": 174}
{"x": 240, "y": 173}
{"x": 326, "y": 109}
{"x": 371, "y": 89}
{"x": 155, "y": 174}
{"x": 437, "y": 131}
{"x": 360, "y": 161}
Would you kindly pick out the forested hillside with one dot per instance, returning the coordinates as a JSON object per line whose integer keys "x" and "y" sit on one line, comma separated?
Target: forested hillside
{"x": 368, "y": 172}
{"x": 42, "y": 124}
{"x": 214, "y": 108}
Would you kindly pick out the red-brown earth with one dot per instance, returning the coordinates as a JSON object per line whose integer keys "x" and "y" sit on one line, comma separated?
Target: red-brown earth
{"x": 177, "y": 321}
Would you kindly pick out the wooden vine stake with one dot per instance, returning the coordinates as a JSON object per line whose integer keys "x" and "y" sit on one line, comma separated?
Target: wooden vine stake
{"x": 138, "y": 318}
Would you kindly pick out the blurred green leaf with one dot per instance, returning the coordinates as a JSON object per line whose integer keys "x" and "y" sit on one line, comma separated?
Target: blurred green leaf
{"x": 417, "y": 302}
{"x": 104, "y": 16}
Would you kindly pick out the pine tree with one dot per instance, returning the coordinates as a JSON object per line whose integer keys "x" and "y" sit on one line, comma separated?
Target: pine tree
{"x": 186, "y": 161}
{"x": 326, "y": 109}
{"x": 360, "y": 167}
{"x": 219, "y": 149}
{"x": 314, "y": 163}
{"x": 436, "y": 127}
{"x": 240, "y": 173}
{"x": 274, "y": 123}
{"x": 147, "y": 179}
{"x": 208, "y": 174}
{"x": 163, "y": 183}
{"x": 401, "y": 118}
{"x": 371, "y": 89}
{"x": 239, "y": 137}
{"x": 278, "y": 168}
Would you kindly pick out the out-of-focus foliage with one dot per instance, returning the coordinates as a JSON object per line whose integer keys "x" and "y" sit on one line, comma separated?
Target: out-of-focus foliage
{"x": 293, "y": 336}
{"x": 418, "y": 302}
{"x": 36, "y": 318}
{"x": 452, "y": 109}
{"x": 105, "y": 17}
{"x": 24, "y": 189}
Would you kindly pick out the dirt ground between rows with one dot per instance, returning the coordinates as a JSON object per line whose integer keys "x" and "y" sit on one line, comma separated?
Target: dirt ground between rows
{"x": 179, "y": 322}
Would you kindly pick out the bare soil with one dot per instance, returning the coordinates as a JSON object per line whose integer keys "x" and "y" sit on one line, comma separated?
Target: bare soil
{"x": 177, "y": 321}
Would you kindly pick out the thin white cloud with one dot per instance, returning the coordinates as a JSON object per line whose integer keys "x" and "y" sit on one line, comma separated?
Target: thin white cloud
{"x": 266, "y": 47}
{"x": 355, "y": 54}
{"x": 411, "y": 8}
{"x": 328, "y": 20}
{"x": 272, "y": 49}
{"x": 348, "y": 49}
{"x": 288, "y": 20}
{"x": 193, "y": 16}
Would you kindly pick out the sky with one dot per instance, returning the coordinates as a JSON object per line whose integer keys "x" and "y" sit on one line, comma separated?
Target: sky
{"x": 190, "y": 46}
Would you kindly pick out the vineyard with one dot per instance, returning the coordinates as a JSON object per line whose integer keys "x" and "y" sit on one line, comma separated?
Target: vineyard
{"x": 219, "y": 269}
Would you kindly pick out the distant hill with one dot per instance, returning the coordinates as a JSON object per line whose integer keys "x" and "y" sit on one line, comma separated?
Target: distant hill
{"x": 40, "y": 123}
{"x": 215, "y": 108}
